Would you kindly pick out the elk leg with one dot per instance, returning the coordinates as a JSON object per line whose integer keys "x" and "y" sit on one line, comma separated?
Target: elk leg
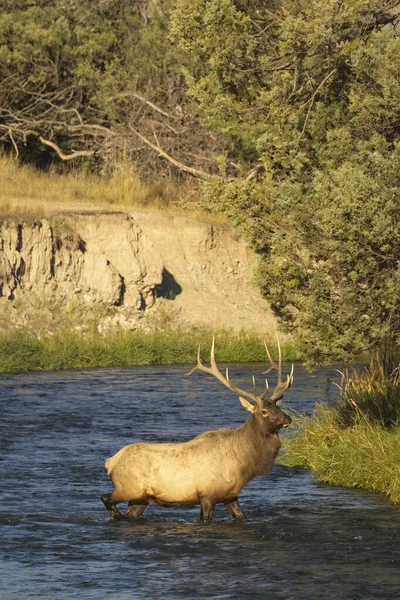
{"x": 206, "y": 510}
{"x": 135, "y": 510}
{"x": 233, "y": 508}
{"x": 109, "y": 502}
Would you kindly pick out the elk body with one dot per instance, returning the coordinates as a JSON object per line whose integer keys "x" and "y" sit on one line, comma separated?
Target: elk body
{"x": 213, "y": 467}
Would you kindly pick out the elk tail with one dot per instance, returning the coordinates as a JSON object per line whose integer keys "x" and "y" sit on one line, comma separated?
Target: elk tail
{"x": 112, "y": 461}
{"x": 108, "y": 465}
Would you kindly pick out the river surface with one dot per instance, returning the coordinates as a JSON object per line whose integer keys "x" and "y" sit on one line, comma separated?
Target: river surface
{"x": 301, "y": 540}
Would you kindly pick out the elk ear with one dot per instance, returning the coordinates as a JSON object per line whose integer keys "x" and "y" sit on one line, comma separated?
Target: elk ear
{"x": 246, "y": 404}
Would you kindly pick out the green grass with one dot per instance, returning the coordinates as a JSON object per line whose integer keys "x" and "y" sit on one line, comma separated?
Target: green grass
{"x": 23, "y": 351}
{"x": 362, "y": 456}
{"x": 356, "y": 441}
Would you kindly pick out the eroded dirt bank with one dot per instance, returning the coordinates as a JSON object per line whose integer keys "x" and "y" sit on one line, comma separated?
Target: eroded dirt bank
{"x": 132, "y": 269}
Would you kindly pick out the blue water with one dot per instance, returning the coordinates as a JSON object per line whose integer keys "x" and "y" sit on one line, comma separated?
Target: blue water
{"x": 300, "y": 540}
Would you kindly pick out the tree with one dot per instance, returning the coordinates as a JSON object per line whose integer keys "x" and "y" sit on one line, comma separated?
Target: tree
{"x": 309, "y": 94}
{"x": 54, "y": 59}
{"x": 95, "y": 79}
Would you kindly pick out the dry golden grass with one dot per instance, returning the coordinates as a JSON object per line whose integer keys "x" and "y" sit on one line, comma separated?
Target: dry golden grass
{"x": 28, "y": 193}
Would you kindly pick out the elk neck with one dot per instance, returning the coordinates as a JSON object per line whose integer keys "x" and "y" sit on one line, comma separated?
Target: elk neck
{"x": 260, "y": 448}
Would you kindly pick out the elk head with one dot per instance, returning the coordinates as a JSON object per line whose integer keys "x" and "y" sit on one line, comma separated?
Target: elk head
{"x": 270, "y": 418}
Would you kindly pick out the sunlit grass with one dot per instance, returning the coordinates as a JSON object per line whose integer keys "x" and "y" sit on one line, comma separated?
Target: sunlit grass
{"x": 29, "y": 193}
{"x": 354, "y": 442}
{"x": 362, "y": 456}
{"x": 22, "y": 351}
{"x": 369, "y": 396}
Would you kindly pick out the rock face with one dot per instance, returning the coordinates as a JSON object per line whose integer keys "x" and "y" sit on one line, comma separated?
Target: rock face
{"x": 131, "y": 269}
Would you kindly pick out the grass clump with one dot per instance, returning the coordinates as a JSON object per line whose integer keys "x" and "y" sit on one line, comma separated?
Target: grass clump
{"x": 361, "y": 456}
{"x": 356, "y": 441}
{"x": 370, "y": 396}
{"x": 23, "y": 351}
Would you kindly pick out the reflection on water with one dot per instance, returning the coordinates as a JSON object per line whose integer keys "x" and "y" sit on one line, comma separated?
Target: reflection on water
{"x": 300, "y": 540}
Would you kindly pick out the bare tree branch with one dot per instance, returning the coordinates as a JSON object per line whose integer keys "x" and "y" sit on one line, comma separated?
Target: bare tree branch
{"x": 195, "y": 172}
{"x": 139, "y": 97}
{"x": 311, "y": 100}
{"x": 10, "y": 135}
{"x": 60, "y": 152}
{"x": 10, "y": 131}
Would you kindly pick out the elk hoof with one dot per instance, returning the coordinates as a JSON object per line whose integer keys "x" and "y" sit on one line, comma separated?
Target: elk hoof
{"x": 117, "y": 516}
{"x": 113, "y": 511}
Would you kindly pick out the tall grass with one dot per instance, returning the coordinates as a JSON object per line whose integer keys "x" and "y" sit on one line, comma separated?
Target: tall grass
{"x": 22, "y": 351}
{"x": 356, "y": 441}
{"x": 362, "y": 456}
{"x": 30, "y": 193}
{"x": 370, "y": 395}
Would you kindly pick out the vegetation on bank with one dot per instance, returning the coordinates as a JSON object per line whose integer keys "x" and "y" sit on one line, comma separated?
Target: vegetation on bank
{"x": 22, "y": 351}
{"x": 356, "y": 441}
{"x": 29, "y": 193}
{"x": 363, "y": 456}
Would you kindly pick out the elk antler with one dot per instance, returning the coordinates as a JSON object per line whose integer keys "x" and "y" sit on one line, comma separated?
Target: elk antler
{"x": 252, "y": 396}
{"x": 281, "y": 386}
{"x": 213, "y": 370}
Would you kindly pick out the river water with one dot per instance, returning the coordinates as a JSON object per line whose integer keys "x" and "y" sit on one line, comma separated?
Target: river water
{"x": 301, "y": 540}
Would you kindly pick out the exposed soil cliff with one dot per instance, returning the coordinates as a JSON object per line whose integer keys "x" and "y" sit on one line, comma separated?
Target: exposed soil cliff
{"x": 134, "y": 270}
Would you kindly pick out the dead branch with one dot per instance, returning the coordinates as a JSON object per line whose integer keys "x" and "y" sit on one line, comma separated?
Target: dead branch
{"x": 10, "y": 135}
{"x": 195, "y": 172}
{"x": 257, "y": 171}
{"x": 273, "y": 15}
{"x": 311, "y": 100}
{"x": 25, "y": 132}
{"x": 60, "y": 153}
{"x": 143, "y": 100}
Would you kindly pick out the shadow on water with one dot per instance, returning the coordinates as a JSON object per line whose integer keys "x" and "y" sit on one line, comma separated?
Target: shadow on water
{"x": 301, "y": 540}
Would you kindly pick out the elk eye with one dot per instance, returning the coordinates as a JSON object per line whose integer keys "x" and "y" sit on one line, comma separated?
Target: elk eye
{"x": 264, "y": 413}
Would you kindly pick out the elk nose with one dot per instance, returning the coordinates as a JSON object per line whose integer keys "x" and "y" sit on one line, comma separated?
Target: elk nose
{"x": 286, "y": 420}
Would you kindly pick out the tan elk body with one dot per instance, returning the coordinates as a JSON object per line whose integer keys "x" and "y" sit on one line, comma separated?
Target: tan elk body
{"x": 212, "y": 468}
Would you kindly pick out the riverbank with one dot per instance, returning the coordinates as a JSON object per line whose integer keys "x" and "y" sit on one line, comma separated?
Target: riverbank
{"x": 130, "y": 269}
{"x": 23, "y": 351}
{"x": 362, "y": 456}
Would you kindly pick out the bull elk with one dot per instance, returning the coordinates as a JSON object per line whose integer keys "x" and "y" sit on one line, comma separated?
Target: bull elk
{"x": 209, "y": 469}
